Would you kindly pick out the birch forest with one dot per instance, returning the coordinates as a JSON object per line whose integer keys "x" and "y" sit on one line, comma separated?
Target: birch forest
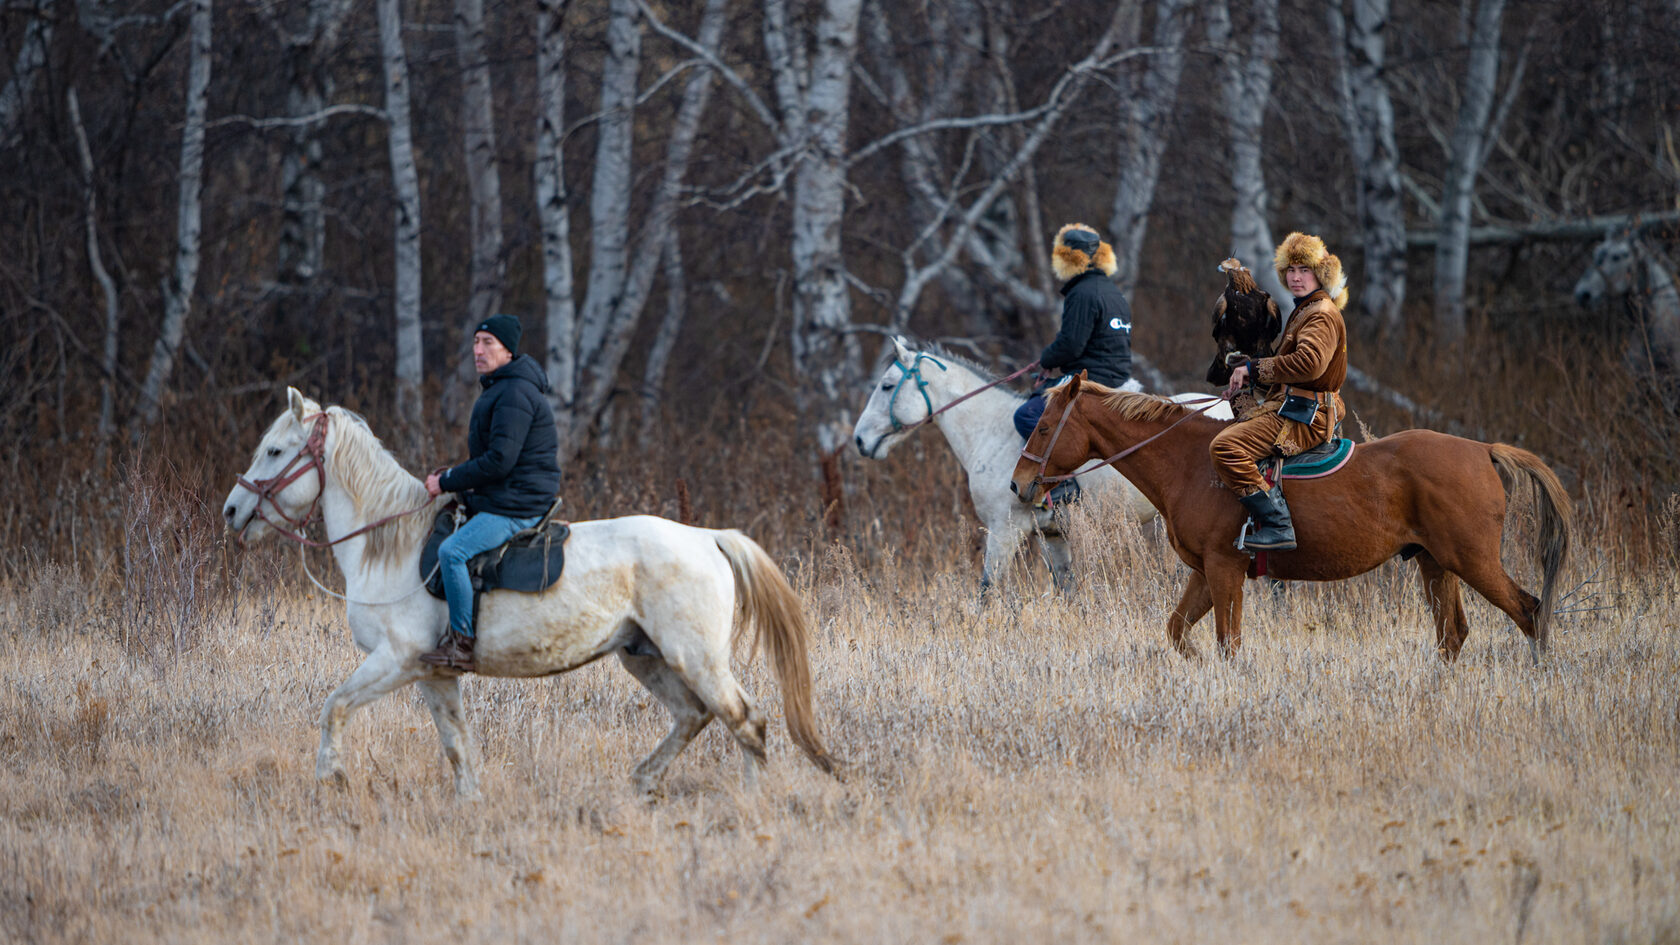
{"x": 710, "y": 215}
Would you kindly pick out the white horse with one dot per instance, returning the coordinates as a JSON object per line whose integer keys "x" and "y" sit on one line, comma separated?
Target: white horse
{"x": 981, "y": 431}
{"x": 660, "y": 595}
{"x": 1624, "y": 267}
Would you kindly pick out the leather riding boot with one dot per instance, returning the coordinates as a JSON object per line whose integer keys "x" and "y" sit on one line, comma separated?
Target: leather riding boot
{"x": 1273, "y": 529}
{"x": 454, "y": 651}
{"x": 1064, "y": 493}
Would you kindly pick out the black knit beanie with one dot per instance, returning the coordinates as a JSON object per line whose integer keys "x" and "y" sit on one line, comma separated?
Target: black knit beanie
{"x": 505, "y": 328}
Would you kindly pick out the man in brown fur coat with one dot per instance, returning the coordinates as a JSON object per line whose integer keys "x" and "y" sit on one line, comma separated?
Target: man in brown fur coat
{"x": 1289, "y": 403}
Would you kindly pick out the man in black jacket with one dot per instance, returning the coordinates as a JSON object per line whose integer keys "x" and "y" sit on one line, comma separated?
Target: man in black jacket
{"x": 1096, "y": 333}
{"x": 508, "y": 483}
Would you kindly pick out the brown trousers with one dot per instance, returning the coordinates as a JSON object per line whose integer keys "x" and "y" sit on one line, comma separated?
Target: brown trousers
{"x": 1237, "y": 450}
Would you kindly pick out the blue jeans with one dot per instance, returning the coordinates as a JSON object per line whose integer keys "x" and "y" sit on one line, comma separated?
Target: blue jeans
{"x": 482, "y": 532}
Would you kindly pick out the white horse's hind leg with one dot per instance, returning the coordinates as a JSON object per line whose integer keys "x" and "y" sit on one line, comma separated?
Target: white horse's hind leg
{"x": 380, "y": 673}
{"x": 1060, "y": 559}
{"x": 1001, "y": 545}
{"x": 717, "y": 688}
{"x": 688, "y": 715}
{"x": 442, "y": 696}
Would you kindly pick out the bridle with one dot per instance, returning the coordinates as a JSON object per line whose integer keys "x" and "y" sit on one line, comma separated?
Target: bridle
{"x": 914, "y": 372}
{"x": 313, "y": 456}
{"x": 1044, "y": 479}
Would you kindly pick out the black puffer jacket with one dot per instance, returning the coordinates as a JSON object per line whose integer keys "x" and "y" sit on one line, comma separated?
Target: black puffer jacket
{"x": 1096, "y": 334}
{"x": 515, "y": 467}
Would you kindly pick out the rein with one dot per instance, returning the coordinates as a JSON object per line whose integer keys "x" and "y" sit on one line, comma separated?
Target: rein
{"x": 1044, "y": 461}
{"x": 914, "y": 371}
{"x": 315, "y": 457}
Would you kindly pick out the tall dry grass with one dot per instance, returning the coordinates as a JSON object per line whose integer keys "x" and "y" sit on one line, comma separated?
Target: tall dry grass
{"x": 1029, "y": 768}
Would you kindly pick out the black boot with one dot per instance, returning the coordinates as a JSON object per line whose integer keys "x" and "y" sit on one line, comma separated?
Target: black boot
{"x": 454, "y": 651}
{"x": 1064, "y": 493}
{"x": 1273, "y": 530}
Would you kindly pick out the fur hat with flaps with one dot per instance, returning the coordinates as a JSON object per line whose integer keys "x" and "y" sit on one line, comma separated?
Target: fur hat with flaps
{"x": 1076, "y": 248}
{"x": 1304, "y": 249}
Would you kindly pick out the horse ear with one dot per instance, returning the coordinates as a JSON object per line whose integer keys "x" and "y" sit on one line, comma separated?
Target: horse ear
{"x": 1073, "y": 385}
{"x": 295, "y": 400}
{"x": 902, "y": 347}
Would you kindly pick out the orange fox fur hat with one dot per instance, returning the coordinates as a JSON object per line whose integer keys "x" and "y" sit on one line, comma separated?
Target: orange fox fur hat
{"x": 1304, "y": 249}
{"x": 1069, "y": 262}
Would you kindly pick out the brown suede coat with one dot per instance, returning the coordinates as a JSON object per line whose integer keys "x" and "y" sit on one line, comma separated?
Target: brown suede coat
{"x": 1311, "y": 360}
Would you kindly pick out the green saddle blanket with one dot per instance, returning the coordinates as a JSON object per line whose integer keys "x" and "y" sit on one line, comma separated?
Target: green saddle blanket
{"x": 1319, "y": 461}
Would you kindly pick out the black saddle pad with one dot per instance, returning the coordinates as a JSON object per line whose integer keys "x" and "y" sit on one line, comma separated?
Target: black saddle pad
{"x": 530, "y": 561}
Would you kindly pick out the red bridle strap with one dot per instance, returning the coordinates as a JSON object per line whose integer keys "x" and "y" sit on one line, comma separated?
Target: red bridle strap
{"x": 313, "y": 456}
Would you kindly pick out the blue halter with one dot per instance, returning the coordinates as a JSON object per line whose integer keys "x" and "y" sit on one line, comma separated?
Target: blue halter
{"x": 913, "y": 371}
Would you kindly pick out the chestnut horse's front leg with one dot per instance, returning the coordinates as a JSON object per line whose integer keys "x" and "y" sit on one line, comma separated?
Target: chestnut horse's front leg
{"x": 1195, "y": 604}
{"x": 1225, "y": 576}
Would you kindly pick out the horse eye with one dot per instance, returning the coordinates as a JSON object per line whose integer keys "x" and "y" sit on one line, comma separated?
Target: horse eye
{"x": 886, "y": 387}
{"x": 274, "y": 451}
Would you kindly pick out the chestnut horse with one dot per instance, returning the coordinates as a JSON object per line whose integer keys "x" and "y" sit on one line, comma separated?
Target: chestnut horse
{"x": 1419, "y": 494}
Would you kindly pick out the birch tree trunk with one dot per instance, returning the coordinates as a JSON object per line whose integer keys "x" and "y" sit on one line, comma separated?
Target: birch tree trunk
{"x": 405, "y": 182}
{"x": 178, "y": 287}
{"x": 107, "y": 285}
{"x": 1464, "y": 163}
{"x": 609, "y": 198}
{"x": 813, "y": 89}
{"x": 31, "y": 58}
{"x": 670, "y": 328}
{"x": 560, "y": 311}
{"x": 1246, "y": 86}
{"x": 484, "y": 186}
{"x": 1145, "y": 111}
{"x": 303, "y": 226}
{"x": 1368, "y": 122}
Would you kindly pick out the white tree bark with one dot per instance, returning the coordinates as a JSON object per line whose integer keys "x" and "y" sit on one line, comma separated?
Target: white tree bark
{"x": 1145, "y": 112}
{"x": 813, "y": 88}
{"x": 665, "y": 342}
{"x": 609, "y": 197}
{"x": 178, "y": 287}
{"x": 560, "y": 310}
{"x": 1245, "y": 76}
{"x": 405, "y": 182}
{"x": 302, "y": 249}
{"x": 630, "y": 298}
{"x": 1368, "y": 122}
{"x": 107, "y": 285}
{"x": 31, "y": 58}
{"x": 484, "y": 183}
{"x": 1467, "y": 151}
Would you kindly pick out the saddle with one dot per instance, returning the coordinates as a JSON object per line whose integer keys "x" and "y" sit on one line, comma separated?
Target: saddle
{"x": 530, "y": 561}
{"x": 1316, "y": 463}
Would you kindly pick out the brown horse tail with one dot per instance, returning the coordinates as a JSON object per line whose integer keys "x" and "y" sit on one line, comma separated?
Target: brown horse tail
{"x": 1553, "y": 510}
{"x": 772, "y": 607}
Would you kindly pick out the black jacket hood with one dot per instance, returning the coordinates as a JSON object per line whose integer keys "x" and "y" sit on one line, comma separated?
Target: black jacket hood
{"x": 523, "y": 367}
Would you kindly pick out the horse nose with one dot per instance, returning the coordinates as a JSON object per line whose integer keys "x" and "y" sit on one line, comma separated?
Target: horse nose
{"x": 858, "y": 439}
{"x": 1012, "y": 489}
{"x": 228, "y": 512}
{"x": 1583, "y": 297}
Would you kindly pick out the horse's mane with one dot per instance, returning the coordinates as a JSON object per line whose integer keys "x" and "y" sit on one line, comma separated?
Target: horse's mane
{"x": 1132, "y": 405}
{"x": 936, "y": 350}
{"x": 378, "y": 486}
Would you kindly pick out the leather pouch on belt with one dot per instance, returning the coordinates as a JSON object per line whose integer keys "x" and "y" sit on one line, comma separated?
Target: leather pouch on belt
{"x": 1299, "y": 409}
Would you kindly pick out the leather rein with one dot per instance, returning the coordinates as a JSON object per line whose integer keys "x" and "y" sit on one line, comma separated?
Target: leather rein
{"x": 1044, "y": 479}
{"x": 313, "y": 456}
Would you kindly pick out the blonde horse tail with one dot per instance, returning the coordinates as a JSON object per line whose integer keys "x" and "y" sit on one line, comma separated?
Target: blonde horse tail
{"x": 1553, "y": 512}
{"x": 770, "y": 605}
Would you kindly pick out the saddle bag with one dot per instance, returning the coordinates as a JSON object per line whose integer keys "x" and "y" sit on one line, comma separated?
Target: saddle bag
{"x": 530, "y": 561}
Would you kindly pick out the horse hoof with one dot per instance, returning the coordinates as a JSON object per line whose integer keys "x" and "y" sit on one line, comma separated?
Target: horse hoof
{"x": 336, "y": 777}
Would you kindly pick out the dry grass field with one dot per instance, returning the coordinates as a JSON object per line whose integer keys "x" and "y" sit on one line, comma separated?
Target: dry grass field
{"x": 1025, "y": 769}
